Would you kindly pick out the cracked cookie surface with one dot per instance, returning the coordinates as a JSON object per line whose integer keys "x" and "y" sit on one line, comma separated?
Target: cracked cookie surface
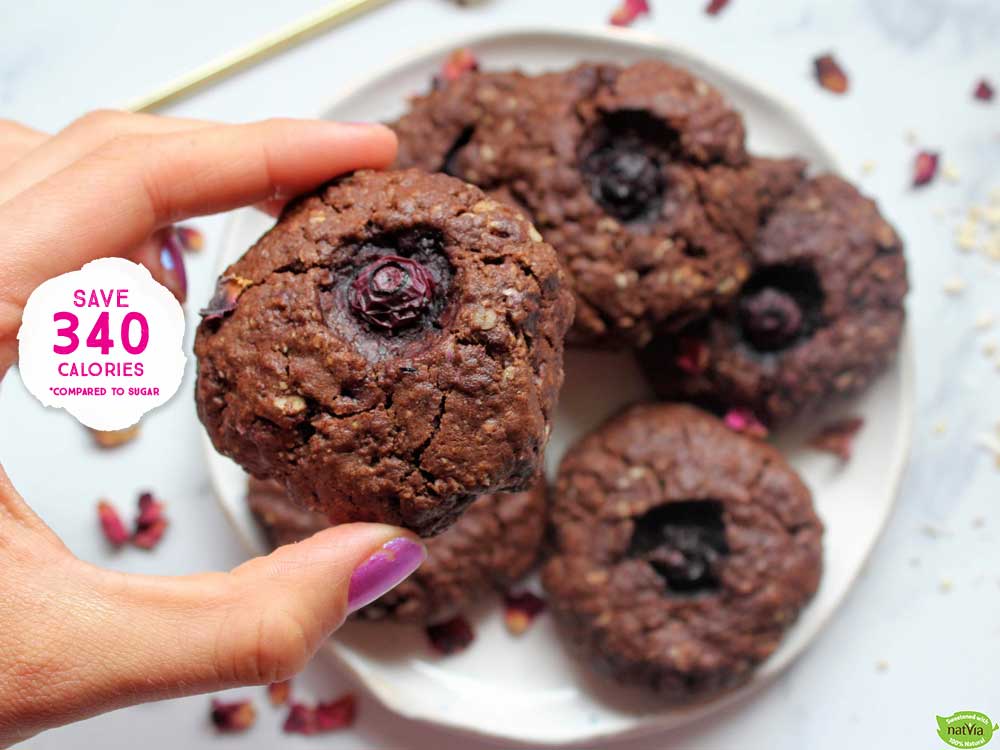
{"x": 637, "y": 176}
{"x": 682, "y": 550}
{"x": 821, "y": 315}
{"x": 493, "y": 545}
{"x": 300, "y": 380}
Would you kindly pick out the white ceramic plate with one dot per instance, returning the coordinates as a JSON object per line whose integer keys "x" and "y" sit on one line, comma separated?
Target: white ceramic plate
{"x": 529, "y": 689}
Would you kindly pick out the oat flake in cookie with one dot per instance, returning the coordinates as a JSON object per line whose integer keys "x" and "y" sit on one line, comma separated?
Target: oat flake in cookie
{"x": 821, "y": 315}
{"x": 493, "y": 545}
{"x": 637, "y": 176}
{"x": 682, "y": 550}
{"x": 390, "y": 350}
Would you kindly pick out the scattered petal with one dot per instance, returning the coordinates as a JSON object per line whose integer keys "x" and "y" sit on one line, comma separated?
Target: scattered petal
{"x": 150, "y": 524}
{"x": 838, "y": 437}
{"x": 111, "y": 524}
{"x": 337, "y": 714}
{"x": 715, "y": 7}
{"x": 114, "y": 438}
{"x": 325, "y": 717}
{"x": 925, "y": 167}
{"x": 830, "y": 75}
{"x": 984, "y": 91}
{"x": 237, "y": 716}
{"x": 744, "y": 421}
{"x": 451, "y": 636}
{"x": 227, "y": 291}
{"x": 692, "y": 355}
{"x": 191, "y": 239}
{"x": 457, "y": 64}
{"x": 279, "y": 692}
{"x": 629, "y": 10}
{"x": 520, "y": 610}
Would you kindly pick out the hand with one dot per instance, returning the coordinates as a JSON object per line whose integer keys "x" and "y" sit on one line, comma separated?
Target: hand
{"x": 76, "y": 640}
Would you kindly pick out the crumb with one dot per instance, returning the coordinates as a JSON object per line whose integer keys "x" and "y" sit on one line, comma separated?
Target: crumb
{"x": 940, "y": 428}
{"x": 984, "y": 321}
{"x": 954, "y": 286}
{"x": 950, "y": 173}
{"x": 882, "y": 665}
{"x": 867, "y": 167}
{"x": 945, "y": 586}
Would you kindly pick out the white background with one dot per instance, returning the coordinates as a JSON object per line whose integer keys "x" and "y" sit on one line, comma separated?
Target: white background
{"x": 927, "y": 607}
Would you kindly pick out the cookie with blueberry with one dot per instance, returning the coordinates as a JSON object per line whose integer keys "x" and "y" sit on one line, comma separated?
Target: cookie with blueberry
{"x": 820, "y": 316}
{"x": 637, "y": 175}
{"x": 389, "y": 351}
{"x": 683, "y": 551}
{"x": 493, "y": 545}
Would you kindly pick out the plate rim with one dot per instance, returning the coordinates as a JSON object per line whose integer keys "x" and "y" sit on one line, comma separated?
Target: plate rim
{"x": 905, "y": 361}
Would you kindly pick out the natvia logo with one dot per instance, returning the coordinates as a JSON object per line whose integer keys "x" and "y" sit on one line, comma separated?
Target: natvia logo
{"x": 966, "y": 729}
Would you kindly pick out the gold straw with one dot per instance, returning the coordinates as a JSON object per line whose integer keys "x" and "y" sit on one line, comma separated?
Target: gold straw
{"x": 332, "y": 15}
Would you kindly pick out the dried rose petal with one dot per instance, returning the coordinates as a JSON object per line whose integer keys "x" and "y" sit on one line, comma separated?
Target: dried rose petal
{"x": 237, "y": 716}
{"x": 925, "y": 167}
{"x": 838, "y": 437}
{"x": 451, "y": 636}
{"x": 150, "y": 524}
{"x": 715, "y": 7}
{"x": 111, "y": 524}
{"x": 191, "y": 239}
{"x": 459, "y": 62}
{"x": 338, "y": 714}
{"x": 745, "y": 422}
{"x": 325, "y": 717}
{"x": 279, "y": 692}
{"x": 628, "y": 11}
{"x": 692, "y": 355}
{"x": 114, "y": 438}
{"x": 227, "y": 291}
{"x": 830, "y": 75}
{"x": 520, "y": 610}
{"x": 984, "y": 91}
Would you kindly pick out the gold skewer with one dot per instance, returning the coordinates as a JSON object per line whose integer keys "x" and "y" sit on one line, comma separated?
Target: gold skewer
{"x": 332, "y": 15}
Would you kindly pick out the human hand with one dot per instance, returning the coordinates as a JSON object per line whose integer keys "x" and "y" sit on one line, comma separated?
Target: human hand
{"x": 76, "y": 640}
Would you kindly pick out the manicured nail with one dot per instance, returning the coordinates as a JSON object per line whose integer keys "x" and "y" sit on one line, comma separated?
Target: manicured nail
{"x": 383, "y": 571}
{"x": 172, "y": 262}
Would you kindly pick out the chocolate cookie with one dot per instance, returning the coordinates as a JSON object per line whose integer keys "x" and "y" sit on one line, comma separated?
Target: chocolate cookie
{"x": 683, "y": 551}
{"x": 637, "y": 176}
{"x": 494, "y": 544}
{"x": 389, "y": 351}
{"x": 820, "y": 317}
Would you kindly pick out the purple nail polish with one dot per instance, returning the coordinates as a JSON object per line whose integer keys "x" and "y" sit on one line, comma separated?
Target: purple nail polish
{"x": 384, "y": 570}
{"x": 172, "y": 260}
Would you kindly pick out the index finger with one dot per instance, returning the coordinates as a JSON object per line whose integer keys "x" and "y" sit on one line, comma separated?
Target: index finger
{"x": 112, "y": 199}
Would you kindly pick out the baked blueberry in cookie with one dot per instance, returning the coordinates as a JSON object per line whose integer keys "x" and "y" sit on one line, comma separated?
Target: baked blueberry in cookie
{"x": 493, "y": 545}
{"x": 820, "y": 316}
{"x": 682, "y": 551}
{"x": 389, "y": 351}
{"x": 637, "y": 176}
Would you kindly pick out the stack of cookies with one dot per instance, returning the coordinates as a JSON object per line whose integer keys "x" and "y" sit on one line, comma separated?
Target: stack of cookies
{"x": 392, "y": 351}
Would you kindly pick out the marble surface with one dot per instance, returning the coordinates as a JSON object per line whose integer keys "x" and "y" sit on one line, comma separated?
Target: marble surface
{"x": 918, "y": 636}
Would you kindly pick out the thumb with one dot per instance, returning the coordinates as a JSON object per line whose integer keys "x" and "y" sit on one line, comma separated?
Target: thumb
{"x": 123, "y": 639}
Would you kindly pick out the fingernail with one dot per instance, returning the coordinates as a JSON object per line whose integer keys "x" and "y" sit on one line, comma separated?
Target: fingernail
{"x": 383, "y": 571}
{"x": 172, "y": 262}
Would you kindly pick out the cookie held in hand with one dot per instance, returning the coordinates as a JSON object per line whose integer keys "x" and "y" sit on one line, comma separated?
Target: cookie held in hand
{"x": 389, "y": 351}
